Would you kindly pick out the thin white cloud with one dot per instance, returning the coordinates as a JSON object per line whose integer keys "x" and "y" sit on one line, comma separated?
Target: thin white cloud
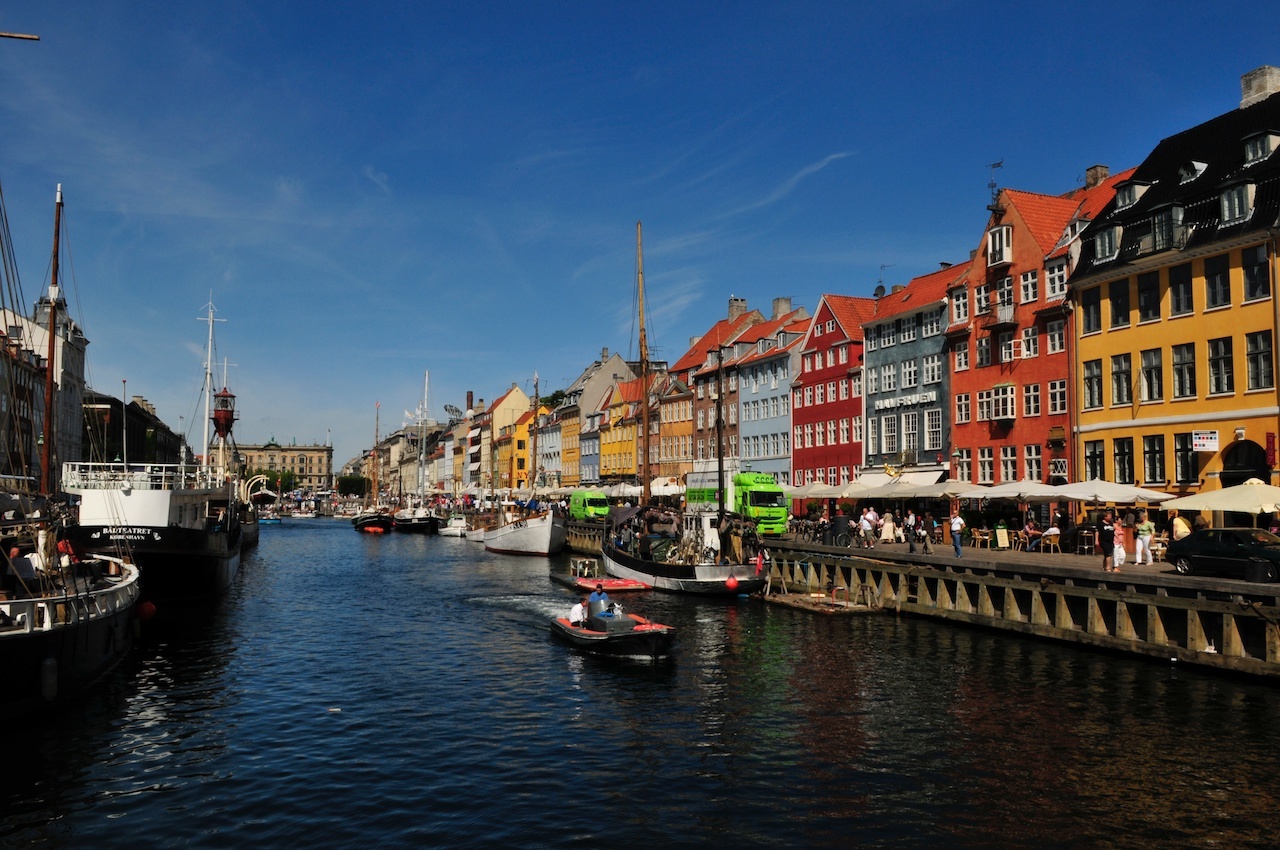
{"x": 789, "y": 185}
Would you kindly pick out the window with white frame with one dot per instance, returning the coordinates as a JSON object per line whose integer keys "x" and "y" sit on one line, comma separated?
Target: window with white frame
{"x": 962, "y": 408}
{"x": 819, "y": 436}
{"x": 909, "y": 373}
{"x": 908, "y": 329}
{"x": 932, "y": 323}
{"x": 808, "y": 435}
{"x": 1221, "y": 371}
{"x": 873, "y": 382}
{"x": 1004, "y": 341}
{"x": 962, "y": 356}
{"x": 1004, "y": 292}
{"x": 1058, "y": 396}
{"x": 983, "y": 350}
{"x": 1106, "y": 245}
{"x": 1004, "y": 402}
{"x": 932, "y": 368}
{"x": 933, "y": 429}
{"x": 964, "y": 465}
{"x": 999, "y": 245}
{"x": 1030, "y": 286}
{"x": 1152, "y": 378}
{"x": 1257, "y": 148}
{"x": 856, "y": 424}
{"x": 1055, "y": 279}
{"x": 981, "y": 299}
{"x": 1236, "y": 202}
{"x": 820, "y": 394}
{"x": 888, "y": 334}
{"x": 842, "y": 354}
{"x": 808, "y": 396}
{"x": 1031, "y": 400}
{"x": 1030, "y": 342}
{"x": 844, "y": 390}
{"x": 844, "y": 431}
{"x": 986, "y": 465}
{"x": 831, "y": 432}
{"x": 888, "y": 434}
{"x": 831, "y": 391}
{"x": 855, "y": 385}
{"x": 1031, "y": 460}
{"x": 910, "y": 431}
{"x": 1056, "y": 333}
{"x": 799, "y": 399}
{"x": 889, "y": 377}
{"x": 872, "y": 339}
{"x": 831, "y": 326}
{"x": 959, "y": 306}
{"x": 1121, "y": 379}
{"x": 1258, "y": 353}
{"x": 984, "y": 405}
{"x": 1008, "y": 463}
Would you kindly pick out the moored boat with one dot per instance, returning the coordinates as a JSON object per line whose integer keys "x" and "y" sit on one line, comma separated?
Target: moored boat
{"x": 609, "y": 630}
{"x": 542, "y": 534}
{"x": 416, "y": 521}
{"x": 687, "y": 563}
{"x": 585, "y": 575}
{"x": 455, "y": 526}
{"x": 373, "y": 521}
{"x": 64, "y": 621}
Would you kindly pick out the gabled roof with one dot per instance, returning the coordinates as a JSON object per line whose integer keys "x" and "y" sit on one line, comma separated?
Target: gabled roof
{"x": 1091, "y": 202}
{"x": 1046, "y": 216}
{"x": 851, "y": 312}
{"x": 919, "y": 294}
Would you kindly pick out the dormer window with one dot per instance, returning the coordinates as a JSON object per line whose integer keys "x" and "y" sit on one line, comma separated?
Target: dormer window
{"x": 1000, "y": 245}
{"x": 1167, "y": 230}
{"x": 1128, "y": 194}
{"x": 1190, "y": 171}
{"x": 1106, "y": 245}
{"x": 1236, "y": 203}
{"x": 1258, "y": 147}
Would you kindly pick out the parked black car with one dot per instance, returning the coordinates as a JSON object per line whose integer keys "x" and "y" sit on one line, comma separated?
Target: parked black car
{"x": 1248, "y": 553}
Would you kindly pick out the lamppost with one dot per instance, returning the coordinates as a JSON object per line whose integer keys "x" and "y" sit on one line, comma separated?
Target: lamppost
{"x": 955, "y": 459}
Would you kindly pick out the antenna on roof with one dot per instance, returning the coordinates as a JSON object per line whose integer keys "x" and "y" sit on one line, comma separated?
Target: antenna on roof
{"x": 884, "y": 266}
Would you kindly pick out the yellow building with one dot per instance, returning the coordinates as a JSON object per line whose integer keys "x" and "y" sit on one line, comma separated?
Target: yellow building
{"x": 1175, "y": 312}
{"x": 675, "y": 456}
{"x": 312, "y": 465}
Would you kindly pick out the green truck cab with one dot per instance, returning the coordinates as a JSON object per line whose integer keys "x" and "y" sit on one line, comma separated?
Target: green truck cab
{"x": 588, "y": 505}
{"x": 752, "y": 495}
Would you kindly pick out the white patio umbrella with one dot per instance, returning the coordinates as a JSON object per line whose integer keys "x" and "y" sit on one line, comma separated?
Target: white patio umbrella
{"x": 951, "y": 490}
{"x": 1251, "y": 497}
{"x": 818, "y": 490}
{"x": 853, "y": 490}
{"x": 1016, "y": 491}
{"x": 1096, "y": 491}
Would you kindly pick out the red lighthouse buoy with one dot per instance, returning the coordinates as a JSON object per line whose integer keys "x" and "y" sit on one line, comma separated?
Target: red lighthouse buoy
{"x": 224, "y": 412}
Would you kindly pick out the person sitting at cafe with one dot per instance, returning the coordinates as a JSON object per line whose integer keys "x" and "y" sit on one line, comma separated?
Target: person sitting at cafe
{"x": 1033, "y": 533}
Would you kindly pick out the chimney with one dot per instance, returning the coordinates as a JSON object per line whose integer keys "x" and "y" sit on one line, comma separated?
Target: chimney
{"x": 470, "y": 400}
{"x": 737, "y": 307}
{"x": 1258, "y": 85}
{"x": 897, "y": 287}
{"x": 1096, "y": 175}
{"x": 781, "y": 307}
{"x": 604, "y": 354}
{"x": 693, "y": 340}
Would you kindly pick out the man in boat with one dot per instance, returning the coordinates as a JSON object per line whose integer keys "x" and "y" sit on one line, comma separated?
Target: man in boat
{"x": 578, "y": 613}
{"x": 598, "y": 595}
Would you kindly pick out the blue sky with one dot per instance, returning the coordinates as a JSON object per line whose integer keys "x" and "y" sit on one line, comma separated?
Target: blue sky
{"x": 372, "y": 190}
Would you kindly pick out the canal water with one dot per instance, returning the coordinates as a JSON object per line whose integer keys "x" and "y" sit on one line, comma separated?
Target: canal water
{"x": 404, "y": 691}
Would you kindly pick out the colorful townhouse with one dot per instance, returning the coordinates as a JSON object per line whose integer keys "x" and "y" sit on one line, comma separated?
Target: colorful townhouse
{"x": 770, "y": 357}
{"x": 826, "y": 395}
{"x": 584, "y": 394}
{"x": 698, "y": 368}
{"x": 1175, "y": 310}
{"x": 675, "y": 430}
{"x": 906, "y": 383}
{"x": 1009, "y": 352}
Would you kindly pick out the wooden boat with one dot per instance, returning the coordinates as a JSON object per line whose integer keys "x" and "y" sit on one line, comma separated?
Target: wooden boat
{"x": 416, "y": 521}
{"x": 585, "y": 575}
{"x": 611, "y": 631}
{"x": 373, "y": 519}
{"x": 65, "y": 618}
{"x": 687, "y": 559}
{"x": 542, "y": 534}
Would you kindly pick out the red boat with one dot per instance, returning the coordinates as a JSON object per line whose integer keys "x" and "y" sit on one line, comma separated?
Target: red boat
{"x": 610, "y": 631}
{"x": 584, "y": 574}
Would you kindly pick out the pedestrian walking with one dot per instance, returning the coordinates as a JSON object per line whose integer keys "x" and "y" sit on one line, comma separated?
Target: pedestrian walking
{"x": 957, "y": 526}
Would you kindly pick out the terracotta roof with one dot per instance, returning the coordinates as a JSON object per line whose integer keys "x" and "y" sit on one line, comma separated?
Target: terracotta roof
{"x": 722, "y": 332}
{"x": 1090, "y": 203}
{"x": 919, "y": 293}
{"x": 851, "y": 312}
{"x": 1046, "y": 216}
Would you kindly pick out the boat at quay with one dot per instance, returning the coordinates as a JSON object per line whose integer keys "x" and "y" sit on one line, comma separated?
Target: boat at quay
{"x": 180, "y": 523}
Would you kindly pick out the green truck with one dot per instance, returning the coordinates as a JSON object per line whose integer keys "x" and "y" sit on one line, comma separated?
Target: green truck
{"x": 588, "y": 505}
{"x": 752, "y": 495}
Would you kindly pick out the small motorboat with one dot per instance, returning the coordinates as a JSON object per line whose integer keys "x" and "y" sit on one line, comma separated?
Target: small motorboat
{"x": 585, "y": 575}
{"x": 611, "y": 631}
{"x": 455, "y": 527}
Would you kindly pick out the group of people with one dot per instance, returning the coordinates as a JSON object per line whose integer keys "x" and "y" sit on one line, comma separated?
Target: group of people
{"x": 581, "y": 610}
{"x": 1114, "y": 537}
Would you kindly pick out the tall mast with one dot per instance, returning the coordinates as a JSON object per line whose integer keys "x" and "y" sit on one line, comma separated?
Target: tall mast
{"x": 533, "y": 438}
{"x": 719, "y": 427}
{"x": 208, "y": 384}
{"x": 46, "y": 472}
{"x": 373, "y": 456}
{"x": 644, "y": 377}
{"x": 422, "y": 437}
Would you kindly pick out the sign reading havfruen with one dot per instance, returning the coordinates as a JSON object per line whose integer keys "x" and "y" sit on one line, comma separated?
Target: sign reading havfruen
{"x": 1204, "y": 441}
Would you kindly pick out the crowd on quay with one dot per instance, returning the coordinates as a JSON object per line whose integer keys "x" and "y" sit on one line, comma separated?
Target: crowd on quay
{"x": 1118, "y": 535}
